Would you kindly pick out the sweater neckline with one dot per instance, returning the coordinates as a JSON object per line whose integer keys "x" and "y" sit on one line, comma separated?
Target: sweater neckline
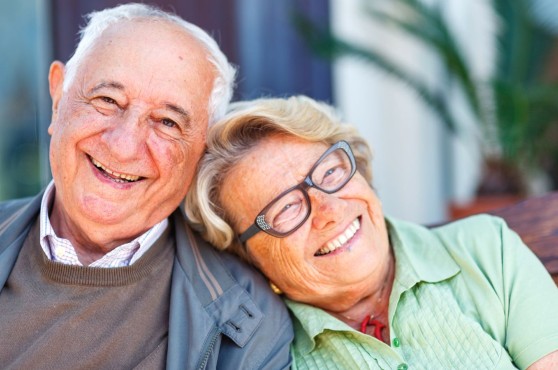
{"x": 99, "y": 276}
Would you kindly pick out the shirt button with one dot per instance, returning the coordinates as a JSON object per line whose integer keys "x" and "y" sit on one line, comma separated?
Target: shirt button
{"x": 59, "y": 250}
{"x": 402, "y": 367}
{"x": 396, "y": 342}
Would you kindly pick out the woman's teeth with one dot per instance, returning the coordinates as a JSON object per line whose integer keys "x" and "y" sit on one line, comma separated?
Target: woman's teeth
{"x": 117, "y": 176}
{"x": 341, "y": 239}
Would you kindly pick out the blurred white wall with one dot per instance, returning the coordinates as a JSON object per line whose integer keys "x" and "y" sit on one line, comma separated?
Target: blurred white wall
{"x": 418, "y": 166}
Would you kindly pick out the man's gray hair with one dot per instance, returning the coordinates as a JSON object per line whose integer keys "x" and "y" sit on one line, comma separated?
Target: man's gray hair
{"x": 99, "y": 21}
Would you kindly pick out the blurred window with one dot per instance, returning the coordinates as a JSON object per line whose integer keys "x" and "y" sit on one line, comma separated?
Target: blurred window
{"x": 24, "y": 48}
{"x": 257, "y": 36}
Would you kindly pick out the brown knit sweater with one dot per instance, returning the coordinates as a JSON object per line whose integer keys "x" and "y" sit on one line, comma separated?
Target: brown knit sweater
{"x": 56, "y": 316}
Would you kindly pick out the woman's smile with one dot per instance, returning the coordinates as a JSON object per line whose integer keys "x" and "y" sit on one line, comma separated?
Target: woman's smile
{"x": 342, "y": 242}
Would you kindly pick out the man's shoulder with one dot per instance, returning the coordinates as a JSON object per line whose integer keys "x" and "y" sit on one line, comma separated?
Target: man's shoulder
{"x": 238, "y": 298}
{"x": 239, "y": 268}
{"x": 219, "y": 271}
{"x": 269, "y": 345}
{"x": 16, "y": 217}
{"x": 242, "y": 273}
{"x": 12, "y": 207}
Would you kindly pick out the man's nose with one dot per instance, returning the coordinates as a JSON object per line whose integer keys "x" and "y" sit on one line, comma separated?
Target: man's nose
{"x": 327, "y": 209}
{"x": 127, "y": 136}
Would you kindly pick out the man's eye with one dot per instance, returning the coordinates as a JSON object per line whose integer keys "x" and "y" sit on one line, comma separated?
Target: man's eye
{"x": 108, "y": 100}
{"x": 105, "y": 105}
{"x": 168, "y": 122}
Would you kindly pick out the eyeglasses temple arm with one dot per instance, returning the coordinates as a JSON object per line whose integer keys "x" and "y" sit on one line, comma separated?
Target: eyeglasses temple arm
{"x": 252, "y": 230}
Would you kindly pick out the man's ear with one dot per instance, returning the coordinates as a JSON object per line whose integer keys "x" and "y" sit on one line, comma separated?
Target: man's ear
{"x": 55, "y": 83}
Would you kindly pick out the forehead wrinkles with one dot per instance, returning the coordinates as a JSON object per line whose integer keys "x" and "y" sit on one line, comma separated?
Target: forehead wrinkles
{"x": 175, "y": 73}
{"x": 253, "y": 181}
{"x": 278, "y": 166}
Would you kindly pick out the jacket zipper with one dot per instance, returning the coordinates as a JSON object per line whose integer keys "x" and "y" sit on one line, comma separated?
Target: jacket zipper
{"x": 209, "y": 350}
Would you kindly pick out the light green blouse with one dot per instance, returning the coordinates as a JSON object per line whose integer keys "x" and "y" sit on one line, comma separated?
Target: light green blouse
{"x": 468, "y": 295}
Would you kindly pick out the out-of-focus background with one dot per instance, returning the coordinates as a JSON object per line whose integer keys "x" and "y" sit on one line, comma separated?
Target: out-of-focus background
{"x": 458, "y": 98}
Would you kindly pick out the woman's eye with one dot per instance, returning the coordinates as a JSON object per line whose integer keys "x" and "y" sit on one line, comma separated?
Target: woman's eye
{"x": 329, "y": 172}
{"x": 286, "y": 207}
{"x": 287, "y": 212}
{"x": 330, "y": 176}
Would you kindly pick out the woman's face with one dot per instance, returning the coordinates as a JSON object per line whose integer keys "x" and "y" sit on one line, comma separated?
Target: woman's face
{"x": 351, "y": 219}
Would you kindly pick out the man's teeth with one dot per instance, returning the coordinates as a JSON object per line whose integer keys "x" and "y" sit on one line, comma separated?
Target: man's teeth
{"x": 341, "y": 239}
{"x": 114, "y": 174}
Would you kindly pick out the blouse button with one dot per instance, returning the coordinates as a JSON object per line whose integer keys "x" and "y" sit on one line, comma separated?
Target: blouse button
{"x": 396, "y": 342}
{"x": 402, "y": 367}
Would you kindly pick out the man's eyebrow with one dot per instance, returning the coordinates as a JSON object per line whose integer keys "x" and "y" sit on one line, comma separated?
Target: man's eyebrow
{"x": 181, "y": 111}
{"x": 107, "y": 84}
{"x": 117, "y": 85}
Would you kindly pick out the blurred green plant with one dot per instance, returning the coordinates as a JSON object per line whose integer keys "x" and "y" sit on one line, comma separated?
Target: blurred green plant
{"x": 516, "y": 109}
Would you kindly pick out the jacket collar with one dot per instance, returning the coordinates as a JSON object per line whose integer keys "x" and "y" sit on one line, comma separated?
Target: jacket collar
{"x": 15, "y": 221}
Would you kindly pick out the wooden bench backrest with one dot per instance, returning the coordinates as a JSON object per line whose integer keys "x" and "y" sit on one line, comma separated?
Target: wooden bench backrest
{"x": 536, "y": 221}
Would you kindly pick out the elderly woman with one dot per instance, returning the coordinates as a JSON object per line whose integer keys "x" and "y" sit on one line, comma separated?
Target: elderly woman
{"x": 286, "y": 186}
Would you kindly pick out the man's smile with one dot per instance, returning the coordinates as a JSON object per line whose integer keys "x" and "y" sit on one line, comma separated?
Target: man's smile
{"x": 113, "y": 175}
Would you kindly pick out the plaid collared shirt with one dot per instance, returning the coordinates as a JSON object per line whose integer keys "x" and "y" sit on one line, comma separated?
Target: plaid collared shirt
{"x": 61, "y": 250}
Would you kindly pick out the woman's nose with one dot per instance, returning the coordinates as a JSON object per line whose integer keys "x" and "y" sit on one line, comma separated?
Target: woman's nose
{"x": 327, "y": 209}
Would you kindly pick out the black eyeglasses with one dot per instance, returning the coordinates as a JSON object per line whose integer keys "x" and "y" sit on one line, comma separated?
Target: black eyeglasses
{"x": 290, "y": 209}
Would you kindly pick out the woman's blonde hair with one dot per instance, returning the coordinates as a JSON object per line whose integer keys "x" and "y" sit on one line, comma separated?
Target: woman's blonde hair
{"x": 242, "y": 128}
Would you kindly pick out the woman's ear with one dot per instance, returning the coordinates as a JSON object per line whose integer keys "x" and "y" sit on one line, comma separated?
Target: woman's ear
{"x": 275, "y": 288}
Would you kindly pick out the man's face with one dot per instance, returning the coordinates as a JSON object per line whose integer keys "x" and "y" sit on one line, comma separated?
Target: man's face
{"x": 129, "y": 131}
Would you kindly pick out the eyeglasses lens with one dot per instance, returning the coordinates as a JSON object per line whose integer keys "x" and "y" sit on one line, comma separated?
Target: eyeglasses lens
{"x": 332, "y": 172}
{"x": 329, "y": 175}
{"x": 287, "y": 212}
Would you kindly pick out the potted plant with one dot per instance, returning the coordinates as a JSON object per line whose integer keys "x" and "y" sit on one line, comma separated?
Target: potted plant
{"x": 516, "y": 109}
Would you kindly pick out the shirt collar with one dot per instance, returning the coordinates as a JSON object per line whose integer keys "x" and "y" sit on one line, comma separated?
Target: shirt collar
{"x": 419, "y": 254}
{"x": 61, "y": 250}
{"x": 310, "y": 322}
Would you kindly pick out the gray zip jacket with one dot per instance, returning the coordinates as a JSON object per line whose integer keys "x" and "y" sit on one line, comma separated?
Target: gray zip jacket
{"x": 222, "y": 313}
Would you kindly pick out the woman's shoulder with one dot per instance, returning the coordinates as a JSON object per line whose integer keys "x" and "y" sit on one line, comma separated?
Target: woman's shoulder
{"x": 481, "y": 222}
{"x": 481, "y": 239}
{"x": 468, "y": 233}
{"x": 473, "y": 242}
{"x": 480, "y": 228}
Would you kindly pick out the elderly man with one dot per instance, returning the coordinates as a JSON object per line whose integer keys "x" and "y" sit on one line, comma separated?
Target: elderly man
{"x": 100, "y": 270}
